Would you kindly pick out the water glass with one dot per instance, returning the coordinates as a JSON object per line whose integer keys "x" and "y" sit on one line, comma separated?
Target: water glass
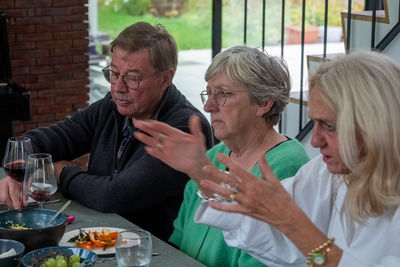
{"x": 133, "y": 248}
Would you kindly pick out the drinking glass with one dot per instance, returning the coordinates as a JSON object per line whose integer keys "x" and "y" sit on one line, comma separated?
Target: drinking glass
{"x": 133, "y": 248}
{"x": 40, "y": 182}
{"x": 14, "y": 162}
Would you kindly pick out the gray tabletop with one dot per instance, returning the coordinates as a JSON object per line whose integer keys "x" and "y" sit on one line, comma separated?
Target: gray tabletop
{"x": 85, "y": 217}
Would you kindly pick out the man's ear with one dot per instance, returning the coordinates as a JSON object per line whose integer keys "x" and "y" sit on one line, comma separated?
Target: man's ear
{"x": 264, "y": 107}
{"x": 167, "y": 76}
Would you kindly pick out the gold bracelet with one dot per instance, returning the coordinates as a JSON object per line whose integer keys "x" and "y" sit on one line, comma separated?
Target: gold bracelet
{"x": 318, "y": 257}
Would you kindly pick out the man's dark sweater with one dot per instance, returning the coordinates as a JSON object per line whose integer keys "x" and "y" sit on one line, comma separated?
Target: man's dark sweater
{"x": 139, "y": 187}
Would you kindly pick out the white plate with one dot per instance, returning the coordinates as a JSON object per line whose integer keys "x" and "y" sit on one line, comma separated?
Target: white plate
{"x": 99, "y": 251}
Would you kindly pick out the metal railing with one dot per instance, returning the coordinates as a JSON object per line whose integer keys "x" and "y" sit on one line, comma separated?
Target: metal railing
{"x": 303, "y": 130}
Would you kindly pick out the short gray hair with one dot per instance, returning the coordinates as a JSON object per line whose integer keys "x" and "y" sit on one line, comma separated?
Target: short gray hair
{"x": 142, "y": 35}
{"x": 264, "y": 76}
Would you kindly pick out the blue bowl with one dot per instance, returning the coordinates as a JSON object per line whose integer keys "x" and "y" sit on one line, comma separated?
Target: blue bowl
{"x": 34, "y": 219}
{"x": 33, "y": 258}
{"x": 6, "y": 245}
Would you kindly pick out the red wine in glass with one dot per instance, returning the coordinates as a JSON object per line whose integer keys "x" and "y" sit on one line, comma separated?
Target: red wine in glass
{"x": 41, "y": 191}
{"x": 15, "y": 158}
{"x": 15, "y": 170}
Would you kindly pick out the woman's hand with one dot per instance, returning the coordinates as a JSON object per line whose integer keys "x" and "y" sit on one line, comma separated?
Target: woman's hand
{"x": 185, "y": 152}
{"x": 264, "y": 199}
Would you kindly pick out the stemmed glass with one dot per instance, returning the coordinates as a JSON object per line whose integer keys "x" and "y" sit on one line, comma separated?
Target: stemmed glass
{"x": 40, "y": 182}
{"x": 15, "y": 159}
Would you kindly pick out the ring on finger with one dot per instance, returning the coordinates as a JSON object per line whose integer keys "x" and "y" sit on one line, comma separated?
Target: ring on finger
{"x": 231, "y": 197}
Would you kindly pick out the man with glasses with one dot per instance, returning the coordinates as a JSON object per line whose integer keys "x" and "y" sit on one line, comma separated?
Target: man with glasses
{"x": 121, "y": 177}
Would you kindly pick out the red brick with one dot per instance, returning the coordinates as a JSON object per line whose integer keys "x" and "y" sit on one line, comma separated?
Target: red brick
{"x": 21, "y": 45}
{"x": 80, "y": 58}
{"x": 70, "y": 18}
{"x": 70, "y": 51}
{"x": 53, "y": 11}
{"x": 54, "y": 44}
{"x": 38, "y": 36}
{"x": 81, "y": 74}
{"x": 46, "y": 93}
{"x": 81, "y": 26}
{"x": 21, "y": 29}
{"x": 6, "y": 4}
{"x": 34, "y": 85}
{"x": 21, "y": 70}
{"x": 72, "y": 67}
{"x": 53, "y": 60}
{"x": 42, "y": 101}
{"x": 11, "y": 37}
{"x": 24, "y": 79}
{"x": 42, "y": 70}
{"x": 72, "y": 99}
{"x": 70, "y": 83}
{"x": 31, "y": 53}
{"x": 33, "y": 20}
{"x": 79, "y": 9}
{"x": 60, "y": 76}
{"x": 70, "y": 35}
{"x": 30, "y": 3}
{"x": 54, "y": 108}
{"x": 31, "y": 12}
{"x": 23, "y": 62}
{"x": 80, "y": 43}
{"x": 16, "y": 13}
{"x": 53, "y": 27}
{"x": 69, "y": 2}
{"x": 44, "y": 117}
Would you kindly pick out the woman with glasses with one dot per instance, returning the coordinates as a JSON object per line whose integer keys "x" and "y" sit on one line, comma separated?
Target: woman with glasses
{"x": 246, "y": 92}
{"x": 343, "y": 207}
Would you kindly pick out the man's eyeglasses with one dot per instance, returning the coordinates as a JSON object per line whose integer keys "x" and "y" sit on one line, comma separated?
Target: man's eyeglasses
{"x": 131, "y": 82}
{"x": 220, "y": 96}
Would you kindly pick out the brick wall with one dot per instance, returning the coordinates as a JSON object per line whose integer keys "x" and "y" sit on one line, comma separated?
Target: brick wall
{"x": 48, "y": 42}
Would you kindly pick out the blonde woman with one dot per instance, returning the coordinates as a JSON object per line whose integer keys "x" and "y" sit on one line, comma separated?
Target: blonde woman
{"x": 342, "y": 208}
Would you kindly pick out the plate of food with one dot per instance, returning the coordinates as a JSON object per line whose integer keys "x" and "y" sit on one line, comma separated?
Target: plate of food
{"x": 100, "y": 240}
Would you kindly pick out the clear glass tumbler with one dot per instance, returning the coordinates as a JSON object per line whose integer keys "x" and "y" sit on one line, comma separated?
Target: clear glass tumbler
{"x": 133, "y": 248}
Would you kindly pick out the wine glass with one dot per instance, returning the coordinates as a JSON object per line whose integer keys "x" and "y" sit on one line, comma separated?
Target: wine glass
{"x": 14, "y": 162}
{"x": 133, "y": 248}
{"x": 40, "y": 182}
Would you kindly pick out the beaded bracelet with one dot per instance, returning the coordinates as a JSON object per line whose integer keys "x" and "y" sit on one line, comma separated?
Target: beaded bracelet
{"x": 318, "y": 258}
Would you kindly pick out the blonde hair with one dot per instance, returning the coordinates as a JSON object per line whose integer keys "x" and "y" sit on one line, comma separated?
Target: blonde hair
{"x": 363, "y": 90}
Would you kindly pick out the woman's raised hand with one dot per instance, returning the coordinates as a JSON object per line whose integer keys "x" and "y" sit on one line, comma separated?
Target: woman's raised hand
{"x": 185, "y": 152}
{"x": 264, "y": 199}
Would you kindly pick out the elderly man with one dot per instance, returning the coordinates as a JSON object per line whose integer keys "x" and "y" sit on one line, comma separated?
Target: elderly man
{"x": 121, "y": 177}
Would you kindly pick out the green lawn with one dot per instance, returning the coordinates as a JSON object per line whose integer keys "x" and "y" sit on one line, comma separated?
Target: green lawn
{"x": 192, "y": 30}
{"x": 187, "y": 30}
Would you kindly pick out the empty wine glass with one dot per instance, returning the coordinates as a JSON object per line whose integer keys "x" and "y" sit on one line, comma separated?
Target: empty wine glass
{"x": 40, "y": 182}
{"x": 15, "y": 159}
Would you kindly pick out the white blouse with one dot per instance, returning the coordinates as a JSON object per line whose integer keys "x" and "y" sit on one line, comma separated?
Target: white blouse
{"x": 320, "y": 195}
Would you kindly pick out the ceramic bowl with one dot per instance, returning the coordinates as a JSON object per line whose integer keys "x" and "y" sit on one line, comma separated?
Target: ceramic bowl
{"x": 35, "y": 257}
{"x": 36, "y": 236}
{"x": 5, "y": 246}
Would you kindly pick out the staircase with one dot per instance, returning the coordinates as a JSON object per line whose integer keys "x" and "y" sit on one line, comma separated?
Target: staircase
{"x": 383, "y": 36}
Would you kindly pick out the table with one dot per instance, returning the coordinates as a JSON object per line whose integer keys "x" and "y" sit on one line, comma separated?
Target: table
{"x": 85, "y": 217}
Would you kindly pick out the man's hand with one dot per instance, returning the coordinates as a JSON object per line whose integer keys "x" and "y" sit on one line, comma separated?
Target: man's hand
{"x": 10, "y": 193}
{"x": 81, "y": 162}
